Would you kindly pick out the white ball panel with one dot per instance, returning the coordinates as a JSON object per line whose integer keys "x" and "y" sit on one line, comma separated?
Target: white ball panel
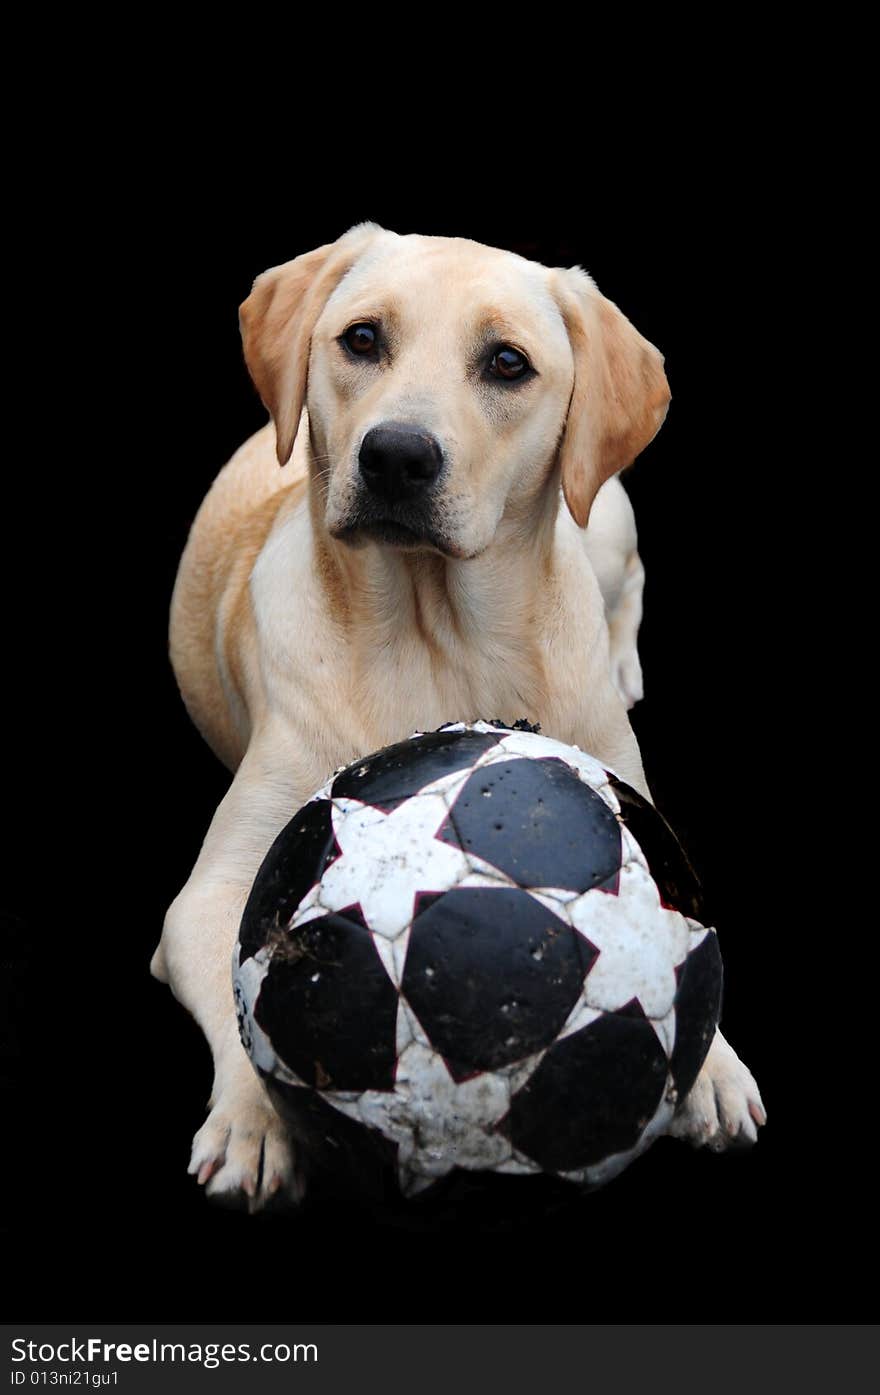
{"x": 437, "y": 1123}
{"x": 639, "y": 942}
{"x": 387, "y": 857}
{"x": 665, "y": 1029}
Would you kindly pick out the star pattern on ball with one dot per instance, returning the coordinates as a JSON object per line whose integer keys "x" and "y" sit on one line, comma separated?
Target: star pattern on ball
{"x": 385, "y": 859}
{"x": 439, "y": 1123}
{"x": 640, "y": 945}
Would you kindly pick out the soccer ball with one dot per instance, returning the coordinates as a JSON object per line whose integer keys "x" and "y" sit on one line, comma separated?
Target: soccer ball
{"x": 476, "y": 949}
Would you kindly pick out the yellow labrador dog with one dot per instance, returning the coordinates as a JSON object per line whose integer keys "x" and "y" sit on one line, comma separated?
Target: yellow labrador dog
{"x": 449, "y": 417}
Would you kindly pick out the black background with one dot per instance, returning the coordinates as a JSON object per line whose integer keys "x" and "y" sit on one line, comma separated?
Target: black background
{"x": 112, "y": 1075}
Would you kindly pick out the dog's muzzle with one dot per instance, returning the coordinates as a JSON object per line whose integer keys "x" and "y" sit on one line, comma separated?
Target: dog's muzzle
{"x": 399, "y": 463}
{"x": 396, "y": 502}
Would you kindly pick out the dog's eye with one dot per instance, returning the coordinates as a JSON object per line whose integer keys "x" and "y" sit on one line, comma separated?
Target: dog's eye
{"x": 508, "y": 363}
{"x": 360, "y": 339}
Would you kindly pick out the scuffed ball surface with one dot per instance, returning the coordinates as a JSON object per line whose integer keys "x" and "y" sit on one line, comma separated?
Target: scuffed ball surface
{"x": 477, "y": 949}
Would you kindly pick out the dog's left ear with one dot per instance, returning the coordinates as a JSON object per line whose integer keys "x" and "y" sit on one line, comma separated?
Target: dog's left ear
{"x": 277, "y": 321}
{"x": 620, "y": 395}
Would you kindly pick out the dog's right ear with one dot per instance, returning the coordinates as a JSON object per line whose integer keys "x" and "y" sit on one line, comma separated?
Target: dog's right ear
{"x": 277, "y": 320}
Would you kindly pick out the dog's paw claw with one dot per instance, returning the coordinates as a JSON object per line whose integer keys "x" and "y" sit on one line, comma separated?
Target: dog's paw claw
{"x": 206, "y": 1169}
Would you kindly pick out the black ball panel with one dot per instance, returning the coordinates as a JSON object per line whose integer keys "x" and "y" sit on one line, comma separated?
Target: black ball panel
{"x": 447, "y": 833}
{"x": 339, "y": 1151}
{"x": 295, "y": 861}
{"x": 328, "y": 1006}
{"x": 676, "y": 879}
{"x": 697, "y": 1010}
{"x": 538, "y": 823}
{"x": 592, "y": 1094}
{"x": 423, "y": 901}
{"x": 397, "y": 772}
{"x": 476, "y": 1016}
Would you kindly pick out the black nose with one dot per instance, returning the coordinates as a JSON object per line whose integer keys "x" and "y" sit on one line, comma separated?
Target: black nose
{"x": 399, "y": 462}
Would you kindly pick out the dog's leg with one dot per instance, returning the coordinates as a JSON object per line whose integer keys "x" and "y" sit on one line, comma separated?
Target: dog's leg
{"x": 724, "y": 1108}
{"x": 612, "y": 547}
{"x": 242, "y": 1150}
{"x": 623, "y": 632}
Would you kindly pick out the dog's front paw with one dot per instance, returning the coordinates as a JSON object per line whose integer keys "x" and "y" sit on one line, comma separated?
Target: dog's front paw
{"x": 724, "y": 1108}
{"x": 242, "y": 1154}
{"x": 626, "y": 675}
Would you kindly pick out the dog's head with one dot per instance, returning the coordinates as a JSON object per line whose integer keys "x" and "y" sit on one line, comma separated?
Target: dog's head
{"x": 446, "y": 384}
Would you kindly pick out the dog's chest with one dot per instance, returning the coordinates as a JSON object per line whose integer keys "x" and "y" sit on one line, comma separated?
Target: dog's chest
{"x": 420, "y": 679}
{"x": 396, "y": 658}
